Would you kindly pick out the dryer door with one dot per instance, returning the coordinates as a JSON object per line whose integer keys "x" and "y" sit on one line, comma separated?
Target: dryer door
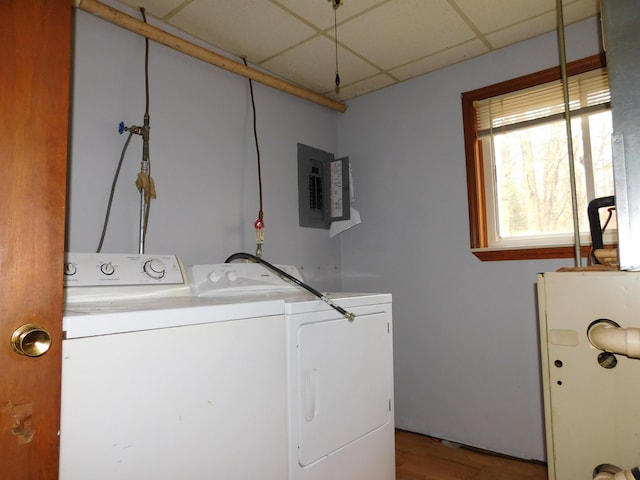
{"x": 345, "y": 382}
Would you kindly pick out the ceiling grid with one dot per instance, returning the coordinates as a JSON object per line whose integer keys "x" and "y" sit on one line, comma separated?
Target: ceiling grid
{"x": 380, "y": 42}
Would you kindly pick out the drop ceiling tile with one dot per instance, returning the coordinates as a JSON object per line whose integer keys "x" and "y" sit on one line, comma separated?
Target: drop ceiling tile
{"x": 155, "y": 8}
{"x": 320, "y": 12}
{"x": 491, "y": 15}
{"x": 580, "y": 10}
{"x": 313, "y": 64}
{"x": 540, "y": 25}
{"x": 439, "y": 60}
{"x": 366, "y": 85}
{"x": 401, "y": 31}
{"x": 255, "y": 28}
{"x": 405, "y": 37}
{"x": 523, "y": 31}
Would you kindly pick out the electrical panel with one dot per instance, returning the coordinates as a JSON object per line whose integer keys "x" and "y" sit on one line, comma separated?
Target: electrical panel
{"x": 323, "y": 187}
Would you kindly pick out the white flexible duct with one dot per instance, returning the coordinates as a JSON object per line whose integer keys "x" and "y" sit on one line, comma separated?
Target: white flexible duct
{"x": 611, "y": 472}
{"x": 611, "y": 338}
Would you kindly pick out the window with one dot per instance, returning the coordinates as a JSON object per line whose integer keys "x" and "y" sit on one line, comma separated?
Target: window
{"x": 517, "y": 161}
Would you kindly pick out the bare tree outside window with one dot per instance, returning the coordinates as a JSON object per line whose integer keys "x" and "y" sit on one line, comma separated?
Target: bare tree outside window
{"x": 532, "y": 183}
{"x": 518, "y": 174}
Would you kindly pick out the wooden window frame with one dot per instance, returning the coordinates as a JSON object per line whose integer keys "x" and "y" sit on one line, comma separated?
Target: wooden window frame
{"x": 476, "y": 191}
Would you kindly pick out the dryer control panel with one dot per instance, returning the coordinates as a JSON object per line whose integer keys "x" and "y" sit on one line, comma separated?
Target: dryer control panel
{"x": 244, "y": 278}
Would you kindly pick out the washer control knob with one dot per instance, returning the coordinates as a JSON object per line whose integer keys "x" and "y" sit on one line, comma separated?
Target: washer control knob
{"x": 232, "y": 276}
{"x": 107, "y": 268}
{"x": 154, "y": 268}
{"x": 70, "y": 269}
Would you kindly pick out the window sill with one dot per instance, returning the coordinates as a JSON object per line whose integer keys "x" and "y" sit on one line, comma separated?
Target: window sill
{"x": 538, "y": 253}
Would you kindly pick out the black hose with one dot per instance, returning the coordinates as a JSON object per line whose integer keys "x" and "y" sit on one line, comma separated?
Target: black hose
{"x": 113, "y": 188}
{"x": 593, "y": 213}
{"x": 247, "y": 256}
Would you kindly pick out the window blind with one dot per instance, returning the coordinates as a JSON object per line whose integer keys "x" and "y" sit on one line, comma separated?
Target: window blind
{"x": 587, "y": 92}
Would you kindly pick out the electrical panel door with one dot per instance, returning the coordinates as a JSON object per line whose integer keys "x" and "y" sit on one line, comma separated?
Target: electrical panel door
{"x": 323, "y": 187}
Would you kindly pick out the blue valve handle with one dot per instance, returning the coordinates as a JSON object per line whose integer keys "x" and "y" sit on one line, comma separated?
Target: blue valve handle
{"x": 121, "y": 128}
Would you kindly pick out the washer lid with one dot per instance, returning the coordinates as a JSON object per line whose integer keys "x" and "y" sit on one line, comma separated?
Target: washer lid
{"x": 105, "y": 318}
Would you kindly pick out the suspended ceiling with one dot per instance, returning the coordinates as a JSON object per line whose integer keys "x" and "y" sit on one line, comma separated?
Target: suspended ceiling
{"x": 380, "y": 42}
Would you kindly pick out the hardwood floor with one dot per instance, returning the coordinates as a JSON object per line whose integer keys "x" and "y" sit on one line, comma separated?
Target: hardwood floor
{"x": 419, "y": 457}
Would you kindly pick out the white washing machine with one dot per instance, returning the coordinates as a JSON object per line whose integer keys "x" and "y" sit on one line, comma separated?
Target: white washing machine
{"x": 157, "y": 384}
{"x": 339, "y": 373}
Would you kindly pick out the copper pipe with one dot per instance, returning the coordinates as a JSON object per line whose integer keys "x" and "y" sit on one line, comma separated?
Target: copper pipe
{"x": 127, "y": 22}
{"x": 567, "y": 113}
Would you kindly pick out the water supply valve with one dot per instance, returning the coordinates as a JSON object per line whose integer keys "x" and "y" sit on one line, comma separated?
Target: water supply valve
{"x": 133, "y": 129}
{"x": 259, "y": 227}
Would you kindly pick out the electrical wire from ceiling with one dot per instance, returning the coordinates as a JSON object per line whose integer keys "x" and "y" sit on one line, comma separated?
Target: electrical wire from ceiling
{"x": 258, "y": 225}
{"x": 335, "y": 4}
{"x": 144, "y": 181}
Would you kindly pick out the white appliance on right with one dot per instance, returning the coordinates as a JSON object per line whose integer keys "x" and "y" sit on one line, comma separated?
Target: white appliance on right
{"x": 590, "y": 350}
{"x": 340, "y": 417}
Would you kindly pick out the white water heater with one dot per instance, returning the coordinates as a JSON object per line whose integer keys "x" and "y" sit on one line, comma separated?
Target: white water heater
{"x": 590, "y": 341}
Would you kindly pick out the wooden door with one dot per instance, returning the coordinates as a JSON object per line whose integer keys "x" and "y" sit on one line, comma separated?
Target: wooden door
{"x": 35, "y": 38}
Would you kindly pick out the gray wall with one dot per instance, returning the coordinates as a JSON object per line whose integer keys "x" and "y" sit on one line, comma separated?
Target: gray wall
{"x": 203, "y": 157}
{"x": 466, "y": 355}
{"x": 466, "y": 341}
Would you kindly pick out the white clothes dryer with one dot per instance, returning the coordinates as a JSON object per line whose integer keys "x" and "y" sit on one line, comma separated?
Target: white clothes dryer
{"x": 339, "y": 373}
{"x": 340, "y": 387}
{"x": 168, "y": 387}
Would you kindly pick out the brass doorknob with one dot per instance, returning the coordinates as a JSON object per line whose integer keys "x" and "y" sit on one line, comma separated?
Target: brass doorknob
{"x": 31, "y": 340}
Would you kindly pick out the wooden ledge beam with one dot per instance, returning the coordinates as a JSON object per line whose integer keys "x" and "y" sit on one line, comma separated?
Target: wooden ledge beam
{"x": 127, "y": 22}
